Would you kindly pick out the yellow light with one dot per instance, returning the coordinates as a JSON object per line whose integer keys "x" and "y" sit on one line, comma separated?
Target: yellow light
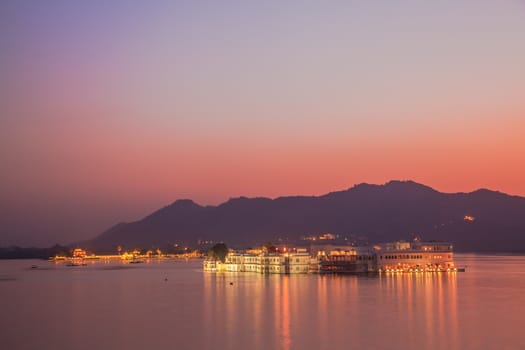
{"x": 469, "y": 218}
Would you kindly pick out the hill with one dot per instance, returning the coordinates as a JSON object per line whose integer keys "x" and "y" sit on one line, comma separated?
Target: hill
{"x": 482, "y": 221}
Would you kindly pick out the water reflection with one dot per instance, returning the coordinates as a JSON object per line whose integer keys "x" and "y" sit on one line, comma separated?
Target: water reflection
{"x": 287, "y": 312}
{"x": 282, "y": 312}
{"x": 425, "y": 305}
{"x": 136, "y": 309}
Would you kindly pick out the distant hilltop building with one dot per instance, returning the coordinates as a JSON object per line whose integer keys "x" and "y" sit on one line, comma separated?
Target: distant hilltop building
{"x": 393, "y": 257}
{"x": 322, "y": 237}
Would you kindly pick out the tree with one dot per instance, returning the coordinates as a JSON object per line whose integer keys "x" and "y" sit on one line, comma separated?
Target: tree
{"x": 218, "y": 251}
{"x": 269, "y": 247}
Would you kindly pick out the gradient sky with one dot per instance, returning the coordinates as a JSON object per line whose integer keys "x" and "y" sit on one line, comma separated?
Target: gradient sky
{"x": 112, "y": 109}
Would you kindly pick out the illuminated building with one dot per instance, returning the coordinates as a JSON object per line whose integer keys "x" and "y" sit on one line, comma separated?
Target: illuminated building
{"x": 415, "y": 257}
{"x": 400, "y": 256}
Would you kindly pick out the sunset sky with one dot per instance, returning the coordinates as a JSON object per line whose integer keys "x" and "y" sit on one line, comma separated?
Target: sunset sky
{"x": 112, "y": 109}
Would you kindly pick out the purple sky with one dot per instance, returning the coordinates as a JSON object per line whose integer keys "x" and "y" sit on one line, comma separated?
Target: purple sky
{"x": 112, "y": 109}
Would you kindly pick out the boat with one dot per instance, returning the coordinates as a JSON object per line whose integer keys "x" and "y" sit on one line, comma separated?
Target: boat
{"x": 136, "y": 261}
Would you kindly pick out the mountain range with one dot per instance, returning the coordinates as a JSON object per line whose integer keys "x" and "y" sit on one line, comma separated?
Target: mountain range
{"x": 479, "y": 221}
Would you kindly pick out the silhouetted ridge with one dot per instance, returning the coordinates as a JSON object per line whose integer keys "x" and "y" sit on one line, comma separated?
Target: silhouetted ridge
{"x": 487, "y": 192}
{"x": 184, "y": 203}
{"x": 482, "y": 220}
{"x": 408, "y": 184}
{"x": 245, "y": 201}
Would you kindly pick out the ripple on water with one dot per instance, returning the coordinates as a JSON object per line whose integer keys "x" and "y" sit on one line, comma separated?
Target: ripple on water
{"x": 7, "y": 279}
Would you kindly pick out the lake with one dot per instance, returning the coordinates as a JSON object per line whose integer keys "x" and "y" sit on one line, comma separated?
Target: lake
{"x": 112, "y": 305}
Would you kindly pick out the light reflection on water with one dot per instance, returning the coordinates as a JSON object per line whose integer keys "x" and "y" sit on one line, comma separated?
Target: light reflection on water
{"x": 106, "y": 305}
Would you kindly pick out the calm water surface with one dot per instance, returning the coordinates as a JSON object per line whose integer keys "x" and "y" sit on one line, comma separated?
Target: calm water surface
{"x": 108, "y": 306}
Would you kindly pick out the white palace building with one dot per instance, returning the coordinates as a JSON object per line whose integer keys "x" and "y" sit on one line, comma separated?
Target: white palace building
{"x": 395, "y": 257}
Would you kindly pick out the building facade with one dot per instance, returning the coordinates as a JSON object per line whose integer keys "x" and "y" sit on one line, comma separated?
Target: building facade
{"x": 400, "y": 256}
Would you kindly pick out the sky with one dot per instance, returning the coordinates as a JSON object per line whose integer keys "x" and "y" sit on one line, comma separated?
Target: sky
{"x": 110, "y": 110}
